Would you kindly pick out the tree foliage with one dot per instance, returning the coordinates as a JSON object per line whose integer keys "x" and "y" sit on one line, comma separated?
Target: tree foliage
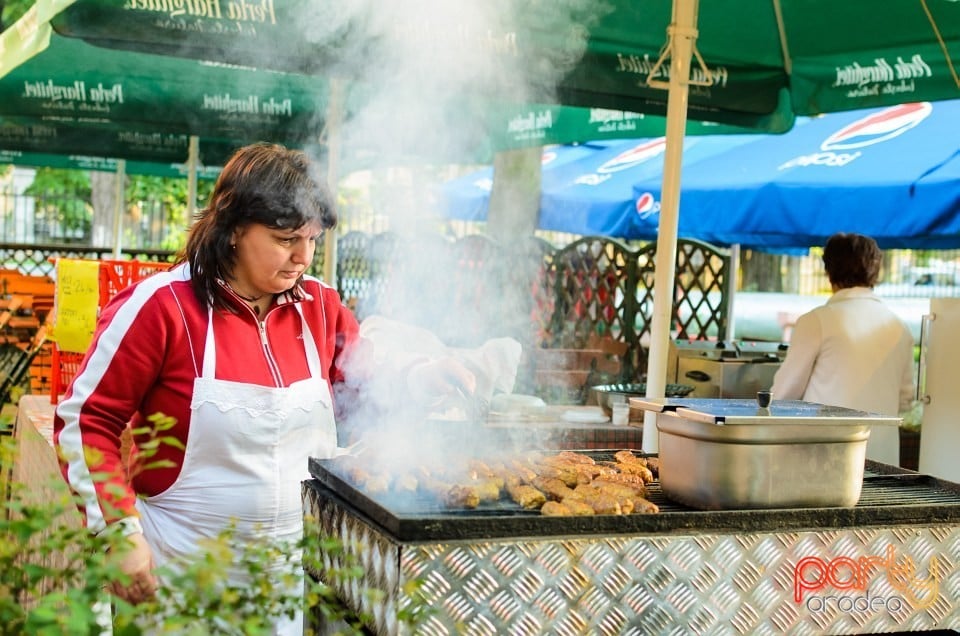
{"x": 63, "y": 199}
{"x": 11, "y": 10}
{"x": 66, "y": 201}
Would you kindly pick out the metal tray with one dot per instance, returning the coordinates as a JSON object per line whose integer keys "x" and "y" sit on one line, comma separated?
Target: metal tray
{"x": 722, "y": 454}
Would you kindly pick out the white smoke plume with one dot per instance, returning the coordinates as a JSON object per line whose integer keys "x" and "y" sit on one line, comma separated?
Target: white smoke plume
{"x": 421, "y": 77}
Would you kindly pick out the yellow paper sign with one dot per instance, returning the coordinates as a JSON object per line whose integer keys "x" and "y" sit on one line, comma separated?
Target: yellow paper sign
{"x": 76, "y": 302}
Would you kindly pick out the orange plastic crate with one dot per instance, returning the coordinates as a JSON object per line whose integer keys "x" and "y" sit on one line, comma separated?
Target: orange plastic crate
{"x": 114, "y": 275}
{"x": 64, "y": 365}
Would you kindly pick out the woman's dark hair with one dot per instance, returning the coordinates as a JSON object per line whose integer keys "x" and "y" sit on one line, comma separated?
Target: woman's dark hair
{"x": 261, "y": 183}
{"x": 852, "y": 260}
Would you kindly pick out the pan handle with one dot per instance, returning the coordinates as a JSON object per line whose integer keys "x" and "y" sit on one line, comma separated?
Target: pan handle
{"x": 698, "y": 376}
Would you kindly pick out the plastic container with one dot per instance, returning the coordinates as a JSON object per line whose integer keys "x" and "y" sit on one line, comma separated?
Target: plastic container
{"x": 620, "y": 413}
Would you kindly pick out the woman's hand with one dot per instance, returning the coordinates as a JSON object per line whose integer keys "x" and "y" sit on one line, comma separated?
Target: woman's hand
{"x": 436, "y": 379}
{"x": 136, "y": 561}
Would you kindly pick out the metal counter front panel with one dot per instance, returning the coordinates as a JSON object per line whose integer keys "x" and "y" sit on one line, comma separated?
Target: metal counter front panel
{"x": 810, "y": 581}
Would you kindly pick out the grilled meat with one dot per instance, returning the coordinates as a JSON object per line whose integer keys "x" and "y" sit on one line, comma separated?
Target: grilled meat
{"x": 562, "y": 483}
{"x": 602, "y": 503}
{"x": 566, "y": 508}
{"x": 578, "y": 507}
{"x": 555, "y": 509}
{"x": 635, "y": 495}
{"x": 462, "y": 497}
{"x": 554, "y": 488}
{"x": 527, "y": 496}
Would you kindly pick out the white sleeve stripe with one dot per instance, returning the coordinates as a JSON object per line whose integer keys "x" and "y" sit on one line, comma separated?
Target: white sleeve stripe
{"x": 70, "y": 439}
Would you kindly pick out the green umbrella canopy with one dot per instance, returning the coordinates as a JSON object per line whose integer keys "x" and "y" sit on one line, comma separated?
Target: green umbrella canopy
{"x": 64, "y": 81}
{"x": 828, "y": 56}
{"x": 108, "y": 140}
{"x": 71, "y": 82}
{"x": 105, "y": 164}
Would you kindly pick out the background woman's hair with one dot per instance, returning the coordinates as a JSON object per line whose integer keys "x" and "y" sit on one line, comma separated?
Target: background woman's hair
{"x": 261, "y": 183}
{"x": 852, "y": 260}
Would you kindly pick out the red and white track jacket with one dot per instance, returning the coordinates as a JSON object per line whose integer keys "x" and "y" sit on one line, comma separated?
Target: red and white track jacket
{"x": 146, "y": 352}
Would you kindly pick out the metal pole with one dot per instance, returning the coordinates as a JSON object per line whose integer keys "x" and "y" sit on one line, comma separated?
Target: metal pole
{"x": 683, "y": 34}
{"x": 335, "y": 115}
{"x": 731, "y": 291}
{"x": 193, "y": 163}
{"x": 120, "y": 199}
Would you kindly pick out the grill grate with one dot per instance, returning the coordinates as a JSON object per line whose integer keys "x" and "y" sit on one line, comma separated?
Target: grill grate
{"x": 889, "y": 496}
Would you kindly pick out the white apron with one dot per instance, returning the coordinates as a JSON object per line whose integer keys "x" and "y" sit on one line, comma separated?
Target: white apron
{"x": 245, "y": 458}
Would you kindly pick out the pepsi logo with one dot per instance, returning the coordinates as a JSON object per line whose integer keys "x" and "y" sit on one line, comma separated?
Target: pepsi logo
{"x": 878, "y": 127}
{"x": 647, "y": 205}
{"x": 636, "y": 155}
{"x": 548, "y": 156}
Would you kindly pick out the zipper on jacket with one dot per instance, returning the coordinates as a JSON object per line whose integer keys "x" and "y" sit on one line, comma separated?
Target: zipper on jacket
{"x": 264, "y": 344}
{"x": 271, "y": 362}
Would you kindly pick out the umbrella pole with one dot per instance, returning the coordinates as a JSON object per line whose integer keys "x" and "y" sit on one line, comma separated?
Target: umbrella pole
{"x": 192, "y": 166}
{"x": 730, "y": 333}
{"x": 682, "y": 34}
{"x": 120, "y": 200}
{"x": 335, "y": 112}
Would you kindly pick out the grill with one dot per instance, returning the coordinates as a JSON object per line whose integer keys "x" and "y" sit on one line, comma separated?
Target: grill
{"x": 888, "y": 497}
{"x": 499, "y": 569}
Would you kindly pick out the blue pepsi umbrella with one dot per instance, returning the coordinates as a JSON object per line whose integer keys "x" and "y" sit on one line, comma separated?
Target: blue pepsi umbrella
{"x": 892, "y": 173}
{"x": 588, "y": 188}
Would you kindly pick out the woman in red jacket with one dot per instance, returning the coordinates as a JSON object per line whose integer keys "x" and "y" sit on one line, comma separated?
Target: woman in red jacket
{"x": 242, "y": 350}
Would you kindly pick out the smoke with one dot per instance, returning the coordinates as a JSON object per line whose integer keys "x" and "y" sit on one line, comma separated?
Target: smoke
{"x": 421, "y": 80}
{"x": 423, "y": 75}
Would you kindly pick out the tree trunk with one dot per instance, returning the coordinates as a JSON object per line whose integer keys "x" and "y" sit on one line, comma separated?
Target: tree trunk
{"x": 515, "y": 198}
{"x": 103, "y": 187}
{"x": 761, "y": 271}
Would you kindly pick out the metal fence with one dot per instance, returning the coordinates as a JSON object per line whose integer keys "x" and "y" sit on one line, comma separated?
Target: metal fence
{"x": 62, "y": 220}
{"x": 469, "y": 290}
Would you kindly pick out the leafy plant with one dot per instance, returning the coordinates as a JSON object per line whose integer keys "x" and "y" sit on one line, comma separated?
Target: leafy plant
{"x": 53, "y": 574}
{"x": 171, "y": 195}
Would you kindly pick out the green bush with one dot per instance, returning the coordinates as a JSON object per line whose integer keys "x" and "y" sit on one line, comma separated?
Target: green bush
{"x": 53, "y": 574}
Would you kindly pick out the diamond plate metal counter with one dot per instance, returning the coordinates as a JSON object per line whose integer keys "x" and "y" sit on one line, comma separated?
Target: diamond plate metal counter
{"x": 808, "y": 581}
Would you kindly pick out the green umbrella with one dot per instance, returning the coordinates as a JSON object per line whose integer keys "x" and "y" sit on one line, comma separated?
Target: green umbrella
{"x": 108, "y": 139}
{"x": 62, "y": 96}
{"x": 768, "y": 60}
{"x": 71, "y": 82}
{"x": 104, "y": 164}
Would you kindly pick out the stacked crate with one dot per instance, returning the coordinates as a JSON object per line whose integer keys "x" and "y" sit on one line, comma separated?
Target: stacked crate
{"x": 114, "y": 275}
{"x": 25, "y": 303}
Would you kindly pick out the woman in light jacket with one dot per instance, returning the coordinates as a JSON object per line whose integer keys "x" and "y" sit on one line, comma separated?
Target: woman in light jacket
{"x": 854, "y": 351}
